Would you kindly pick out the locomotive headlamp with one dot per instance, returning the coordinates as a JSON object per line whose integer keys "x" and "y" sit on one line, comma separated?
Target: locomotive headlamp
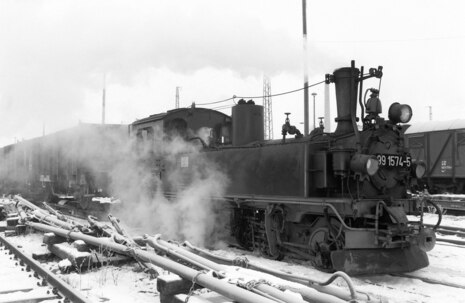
{"x": 419, "y": 169}
{"x": 400, "y": 113}
{"x": 365, "y": 164}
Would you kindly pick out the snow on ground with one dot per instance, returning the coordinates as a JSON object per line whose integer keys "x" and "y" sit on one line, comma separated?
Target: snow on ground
{"x": 106, "y": 284}
{"x": 447, "y": 264}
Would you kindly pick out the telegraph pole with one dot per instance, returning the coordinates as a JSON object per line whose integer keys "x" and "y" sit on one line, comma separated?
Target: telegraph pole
{"x": 176, "y": 105}
{"x": 314, "y": 114}
{"x": 327, "y": 110}
{"x": 103, "y": 99}
{"x": 267, "y": 108}
{"x": 304, "y": 23}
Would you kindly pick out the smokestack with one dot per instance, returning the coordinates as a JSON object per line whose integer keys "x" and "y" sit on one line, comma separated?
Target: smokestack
{"x": 103, "y": 99}
{"x": 346, "y": 81}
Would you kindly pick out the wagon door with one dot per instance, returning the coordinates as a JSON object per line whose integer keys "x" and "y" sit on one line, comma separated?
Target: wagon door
{"x": 460, "y": 155}
{"x": 416, "y": 144}
{"x": 441, "y": 160}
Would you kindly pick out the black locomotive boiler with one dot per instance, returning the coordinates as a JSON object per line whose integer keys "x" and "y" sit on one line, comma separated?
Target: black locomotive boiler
{"x": 337, "y": 199}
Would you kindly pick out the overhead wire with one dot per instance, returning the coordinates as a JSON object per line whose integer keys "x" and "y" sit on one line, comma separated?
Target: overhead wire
{"x": 284, "y": 93}
{"x": 222, "y": 107}
{"x": 256, "y": 97}
{"x": 458, "y": 37}
{"x": 216, "y": 102}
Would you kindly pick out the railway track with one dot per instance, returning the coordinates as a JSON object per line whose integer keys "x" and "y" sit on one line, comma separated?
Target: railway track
{"x": 25, "y": 280}
{"x": 439, "y": 276}
{"x": 99, "y": 238}
{"x": 449, "y": 203}
{"x": 449, "y": 231}
{"x": 430, "y": 280}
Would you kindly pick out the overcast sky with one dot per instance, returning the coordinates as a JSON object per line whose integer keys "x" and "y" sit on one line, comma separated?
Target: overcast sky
{"x": 53, "y": 55}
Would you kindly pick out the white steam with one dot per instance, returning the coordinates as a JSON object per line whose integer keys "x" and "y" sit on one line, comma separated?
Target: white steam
{"x": 193, "y": 213}
{"x": 138, "y": 172}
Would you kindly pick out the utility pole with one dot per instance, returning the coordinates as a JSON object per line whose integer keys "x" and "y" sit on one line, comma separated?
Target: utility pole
{"x": 267, "y": 108}
{"x": 176, "y": 105}
{"x": 430, "y": 112}
{"x": 314, "y": 114}
{"x": 304, "y": 23}
{"x": 103, "y": 99}
{"x": 327, "y": 110}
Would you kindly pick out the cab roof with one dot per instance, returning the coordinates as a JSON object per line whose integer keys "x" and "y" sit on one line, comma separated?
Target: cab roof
{"x": 162, "y": 116}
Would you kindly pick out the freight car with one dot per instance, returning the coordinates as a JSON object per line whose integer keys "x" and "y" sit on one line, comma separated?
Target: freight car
{"x": 337, "y": 199}
{"x": 70, "y": 168}
{"x": 441, "y": 146}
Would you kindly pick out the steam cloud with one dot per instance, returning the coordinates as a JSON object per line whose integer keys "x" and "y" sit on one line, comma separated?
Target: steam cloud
{"x": 193, "y": 214}
{"x": 132, "y": 169}
{"x": 58, "y": 51}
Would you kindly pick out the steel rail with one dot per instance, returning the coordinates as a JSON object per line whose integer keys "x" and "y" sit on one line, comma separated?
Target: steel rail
{"x": 63, "y": 288}
{"x": 429, "y": 280}
{"x": 457, "y": 242}
{"x": 445, "y": 227}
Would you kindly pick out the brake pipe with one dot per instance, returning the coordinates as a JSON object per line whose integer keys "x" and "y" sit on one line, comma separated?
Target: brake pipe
{"x": 438, "y": 211}
{"x": 201, "y": 278}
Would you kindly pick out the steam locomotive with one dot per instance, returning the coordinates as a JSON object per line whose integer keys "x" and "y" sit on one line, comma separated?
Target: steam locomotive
{"x": 338, "y": 199}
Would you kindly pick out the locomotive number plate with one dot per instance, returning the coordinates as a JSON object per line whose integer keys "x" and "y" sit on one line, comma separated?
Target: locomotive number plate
{"x": 394, "y": 160}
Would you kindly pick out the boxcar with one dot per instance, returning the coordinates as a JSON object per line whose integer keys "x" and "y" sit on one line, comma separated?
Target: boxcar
{"x": 441, "y": 145}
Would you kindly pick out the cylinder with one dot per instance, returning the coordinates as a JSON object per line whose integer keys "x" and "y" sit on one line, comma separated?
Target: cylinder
{"x": 346, "y": 82}
{"x": 247, "y": 120}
